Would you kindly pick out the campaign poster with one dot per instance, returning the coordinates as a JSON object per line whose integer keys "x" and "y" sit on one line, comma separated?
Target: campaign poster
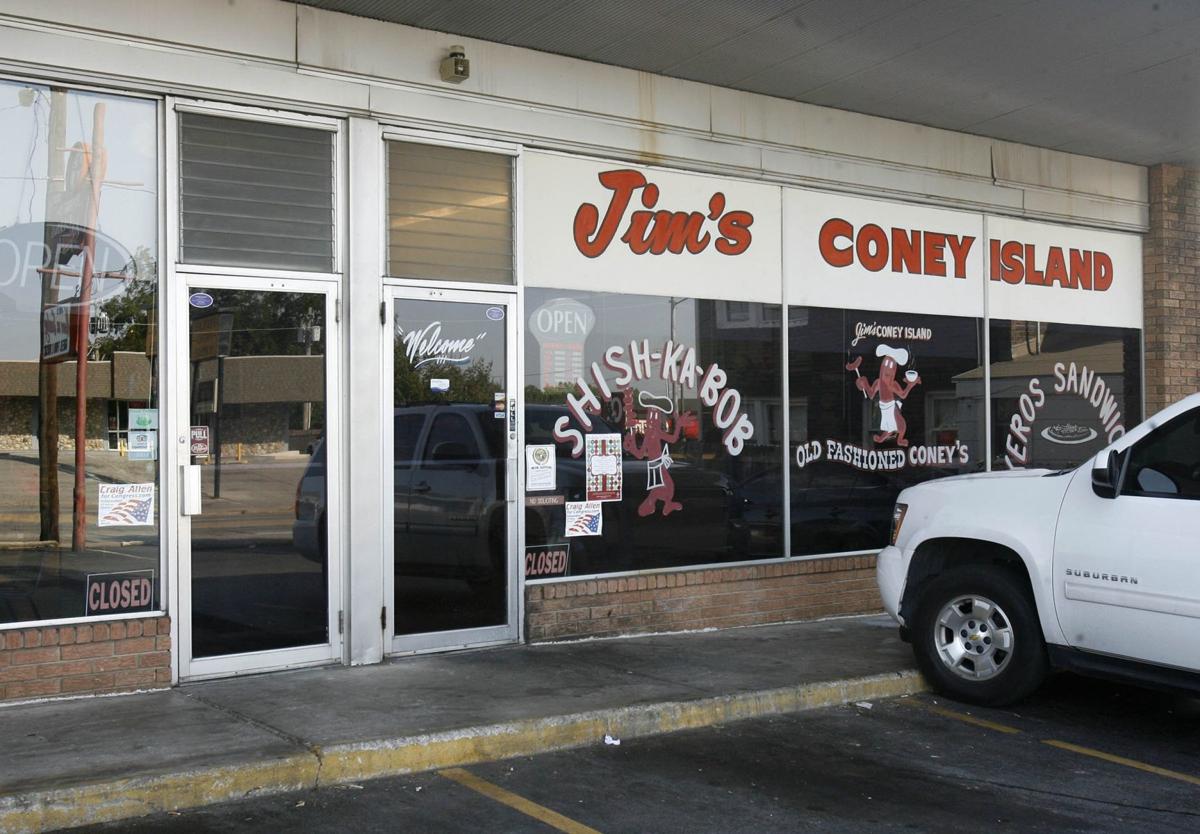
{"x": 126, "y": 505}
{"x": 584, "y": 518}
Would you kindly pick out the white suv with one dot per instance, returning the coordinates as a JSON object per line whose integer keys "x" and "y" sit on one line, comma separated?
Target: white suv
{"x": 997, "y": 577}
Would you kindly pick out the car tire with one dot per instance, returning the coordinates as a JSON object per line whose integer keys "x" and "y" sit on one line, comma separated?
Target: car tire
{"x": 977, "y": 637}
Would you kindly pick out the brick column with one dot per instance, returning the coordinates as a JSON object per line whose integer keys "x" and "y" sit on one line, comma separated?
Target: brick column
{"x": 1171, "y": 260}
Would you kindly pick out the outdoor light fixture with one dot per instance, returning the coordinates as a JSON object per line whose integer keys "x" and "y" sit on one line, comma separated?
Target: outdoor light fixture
{"x": 456, "y": 67}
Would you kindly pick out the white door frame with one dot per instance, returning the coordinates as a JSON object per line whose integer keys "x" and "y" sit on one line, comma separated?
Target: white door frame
{"x": 514, "y": 493}
{"x": 274, "y": 659}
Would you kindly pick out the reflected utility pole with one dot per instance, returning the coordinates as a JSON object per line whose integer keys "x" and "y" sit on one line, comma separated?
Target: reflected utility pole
{"x": 308, "y": 332}
{"x": 56, "y": 184}
{"x": 97, "y": 162}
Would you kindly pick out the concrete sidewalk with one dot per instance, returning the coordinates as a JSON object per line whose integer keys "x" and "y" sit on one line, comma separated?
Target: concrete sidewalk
{"x": 70, "y": 763}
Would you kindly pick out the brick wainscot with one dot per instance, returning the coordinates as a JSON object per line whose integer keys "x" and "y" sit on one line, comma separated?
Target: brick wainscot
{"x": 708, "y": 598}
{"x": 76, "y": 659}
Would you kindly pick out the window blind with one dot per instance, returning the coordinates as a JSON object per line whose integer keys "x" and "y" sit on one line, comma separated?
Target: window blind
{"x": 449, "y": 214}
{"x": 255, "y": 194}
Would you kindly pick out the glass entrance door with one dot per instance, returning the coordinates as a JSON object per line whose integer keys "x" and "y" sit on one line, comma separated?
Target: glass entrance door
{"x": 261, "y": 563}
{"x": 453, "y": 452}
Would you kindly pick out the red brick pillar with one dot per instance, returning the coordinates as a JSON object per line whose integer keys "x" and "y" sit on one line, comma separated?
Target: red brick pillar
{"x": 1171, "y": 260}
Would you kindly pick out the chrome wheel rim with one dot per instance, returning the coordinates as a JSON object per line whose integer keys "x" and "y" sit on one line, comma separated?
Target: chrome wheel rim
{"x": 973, "y": 637}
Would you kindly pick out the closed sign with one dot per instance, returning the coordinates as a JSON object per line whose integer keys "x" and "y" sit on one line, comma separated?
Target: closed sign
{"x": 547, "y": 560}
{"x": 119, "y": 593}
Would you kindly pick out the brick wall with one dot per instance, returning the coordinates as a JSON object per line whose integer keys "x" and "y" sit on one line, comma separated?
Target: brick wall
{"x": 77, "y": 659}
{"x": 1171, "y": 258}
{"x": 717, "y": 598}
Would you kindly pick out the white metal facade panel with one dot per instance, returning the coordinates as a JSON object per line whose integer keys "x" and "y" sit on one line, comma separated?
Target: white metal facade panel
{"x": 265, "y": 28}
{"x": 811, "y": 280}
{"x": 557, "y": 186}
{"x": 1119, "y": 305}
{"x": 352, "y": 66}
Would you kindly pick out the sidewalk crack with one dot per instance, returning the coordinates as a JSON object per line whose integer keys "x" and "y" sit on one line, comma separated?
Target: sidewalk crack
{"x": 243, "y": 718}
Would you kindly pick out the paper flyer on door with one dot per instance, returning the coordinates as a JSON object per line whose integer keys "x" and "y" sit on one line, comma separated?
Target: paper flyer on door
{"x": 540, "y": 467}
{"x": 603, "y": 467}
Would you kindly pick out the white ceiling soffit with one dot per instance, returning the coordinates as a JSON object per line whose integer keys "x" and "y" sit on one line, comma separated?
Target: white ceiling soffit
{"x": 1115, "y": 79}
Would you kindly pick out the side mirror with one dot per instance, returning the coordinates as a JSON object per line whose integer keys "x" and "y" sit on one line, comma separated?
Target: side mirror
{"x": 1106, "y": 474}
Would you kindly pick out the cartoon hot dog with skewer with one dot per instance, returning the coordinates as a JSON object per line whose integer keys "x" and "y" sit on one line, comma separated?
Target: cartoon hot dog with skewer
{"x": 890, "y": 392}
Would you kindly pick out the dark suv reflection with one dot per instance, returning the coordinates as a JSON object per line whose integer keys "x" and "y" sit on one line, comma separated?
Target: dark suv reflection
{"x": 448, "y": 494}
{"x": 449, "y": 502}
{"x": 449, "y": 491}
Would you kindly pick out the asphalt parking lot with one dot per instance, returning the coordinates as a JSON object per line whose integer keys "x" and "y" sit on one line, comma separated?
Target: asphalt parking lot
{"x": 1081, "y": 755}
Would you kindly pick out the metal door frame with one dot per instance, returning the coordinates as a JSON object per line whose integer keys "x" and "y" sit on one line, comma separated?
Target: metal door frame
{"x": 273, "y": 659}
{"x": 469, "y": 637}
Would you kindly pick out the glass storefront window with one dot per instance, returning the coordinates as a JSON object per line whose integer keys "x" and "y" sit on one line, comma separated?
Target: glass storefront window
{"x": 78, "y": 294}
{"x": 449, "y": 485}
{"x": 260, "y": 545}
{"x": 663, "y": 414}
{"x": 1061, "y": 392}
{"x": 879, "y": 401}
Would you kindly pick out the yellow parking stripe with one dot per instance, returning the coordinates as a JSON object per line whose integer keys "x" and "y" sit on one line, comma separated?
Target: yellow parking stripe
{"x": 966, "y": 719}
{"x": 1121, "y": 760}
{"x": 1061, "y": 745}
{"x": 518, "y": 803}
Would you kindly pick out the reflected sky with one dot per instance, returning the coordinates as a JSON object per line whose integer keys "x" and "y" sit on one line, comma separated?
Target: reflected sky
{"x": 128, "y": 203}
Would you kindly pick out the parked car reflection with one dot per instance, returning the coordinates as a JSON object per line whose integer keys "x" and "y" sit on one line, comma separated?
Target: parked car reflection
{"x": 834, "y": 508}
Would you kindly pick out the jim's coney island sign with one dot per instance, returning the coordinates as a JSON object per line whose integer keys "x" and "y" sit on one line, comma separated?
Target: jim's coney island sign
{"x": 616, "y": 227}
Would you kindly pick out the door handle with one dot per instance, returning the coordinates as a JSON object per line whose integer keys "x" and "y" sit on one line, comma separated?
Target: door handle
{"x": 422, "y": 487}
{"x": 190, "y": 490}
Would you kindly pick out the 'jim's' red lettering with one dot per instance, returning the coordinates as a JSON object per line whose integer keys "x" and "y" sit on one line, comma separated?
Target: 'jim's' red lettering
{"x": 656, "y": 231}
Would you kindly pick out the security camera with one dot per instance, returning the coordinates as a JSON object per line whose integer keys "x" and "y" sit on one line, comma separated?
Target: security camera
{"x": 456, "y": 68}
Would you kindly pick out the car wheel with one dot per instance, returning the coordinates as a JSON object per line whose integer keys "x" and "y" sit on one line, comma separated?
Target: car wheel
{"x": 977, "y": 638}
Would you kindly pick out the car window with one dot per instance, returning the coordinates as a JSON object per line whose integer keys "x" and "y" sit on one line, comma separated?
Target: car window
{"x": 540, "y": 420}
{"x": 539, "y": 425}
{"x": 1166, "y": 463}
{"x": 492, "y": 430}
{"x": 450, "y": 435}
{"x": 407, "y": 429}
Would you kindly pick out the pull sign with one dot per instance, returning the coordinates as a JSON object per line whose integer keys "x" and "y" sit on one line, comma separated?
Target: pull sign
{"x": 512, "y": 416}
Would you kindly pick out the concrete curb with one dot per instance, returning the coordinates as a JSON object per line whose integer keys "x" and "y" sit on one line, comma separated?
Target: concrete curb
{"x": 125, "y": 798}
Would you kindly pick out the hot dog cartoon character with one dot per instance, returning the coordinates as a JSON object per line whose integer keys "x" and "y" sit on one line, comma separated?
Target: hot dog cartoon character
{"x": 888, "y": 390}
{"x": 654, "y": 448}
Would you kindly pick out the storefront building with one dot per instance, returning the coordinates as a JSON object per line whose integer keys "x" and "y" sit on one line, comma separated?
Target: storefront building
{"x": 373, "y": 364}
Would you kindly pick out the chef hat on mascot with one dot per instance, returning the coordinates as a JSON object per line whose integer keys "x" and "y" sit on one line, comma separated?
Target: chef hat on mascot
{"x": 900, "y": 355}
{"x": 663, "y": 404}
